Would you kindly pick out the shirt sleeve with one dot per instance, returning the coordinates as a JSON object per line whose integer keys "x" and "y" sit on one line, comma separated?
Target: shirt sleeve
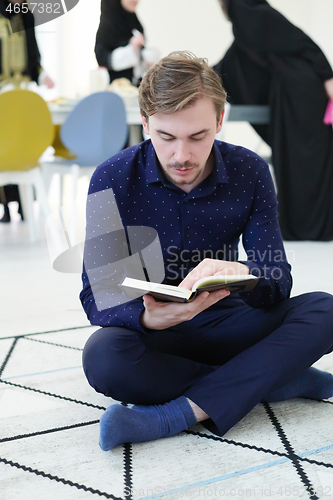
{"x": 107, "y": 261}
{"x": 123, "y": 58}
{"x": 102, "y": 55}
{"x": 314, "y": 55}
{"x": 125, "y": 315}
{"x": 263, "y": 244}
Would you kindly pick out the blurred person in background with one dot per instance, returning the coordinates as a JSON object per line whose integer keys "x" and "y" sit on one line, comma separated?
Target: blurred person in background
{"x": 272, "y": 62}
{"x": 19, "y": 61}
{"x": 120, "y": 42}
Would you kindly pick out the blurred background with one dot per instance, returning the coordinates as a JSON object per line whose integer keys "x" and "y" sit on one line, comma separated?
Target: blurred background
{"x": 67, "y": 44}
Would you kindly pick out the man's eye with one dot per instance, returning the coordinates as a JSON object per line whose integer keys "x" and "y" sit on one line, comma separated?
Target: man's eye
{"x": 197, "y": 138}
{"x": 167, "y": 138}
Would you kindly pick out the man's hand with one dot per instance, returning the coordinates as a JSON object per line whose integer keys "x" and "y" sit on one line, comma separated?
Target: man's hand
{"x": 213, "y": 267}
{"x": 137, "y": 41}
{"x": 162, "y": 315}
{"x": 329, "y": 88}
{"x": 44, "y": 79}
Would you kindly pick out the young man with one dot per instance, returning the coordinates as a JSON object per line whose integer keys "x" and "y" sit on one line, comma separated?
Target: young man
{"x": 220, "y": 355}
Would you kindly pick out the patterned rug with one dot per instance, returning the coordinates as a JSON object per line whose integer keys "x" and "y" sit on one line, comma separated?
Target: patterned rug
{"x": 49, "y": 449}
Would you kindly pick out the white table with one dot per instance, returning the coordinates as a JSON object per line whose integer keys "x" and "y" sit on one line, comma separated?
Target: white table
{"x": 238, "y": 113}
{"x": 252, "y": 113}
{"x": 59, "y": 112}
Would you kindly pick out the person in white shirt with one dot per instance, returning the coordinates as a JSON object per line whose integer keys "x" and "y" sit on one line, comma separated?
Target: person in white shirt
{"x": 120, "y": 42}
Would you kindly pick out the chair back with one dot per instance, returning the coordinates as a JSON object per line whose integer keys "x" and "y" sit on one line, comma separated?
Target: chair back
{"x": 26, "y": 129}
{"x": 96, "y": 128}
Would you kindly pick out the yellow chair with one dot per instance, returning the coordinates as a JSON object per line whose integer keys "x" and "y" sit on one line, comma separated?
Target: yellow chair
{"x": 26, "y": 131}
{"x": 59, "y": 147}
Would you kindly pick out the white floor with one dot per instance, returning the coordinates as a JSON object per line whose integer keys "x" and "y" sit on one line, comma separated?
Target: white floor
{"x": 49, "y": 415}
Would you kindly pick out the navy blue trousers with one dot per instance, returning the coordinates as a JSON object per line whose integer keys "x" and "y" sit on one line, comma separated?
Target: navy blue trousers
{"x": 226, "y": 360}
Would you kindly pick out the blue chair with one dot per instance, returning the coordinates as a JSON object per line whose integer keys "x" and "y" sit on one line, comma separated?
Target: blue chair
{"x": 93, "y": 131}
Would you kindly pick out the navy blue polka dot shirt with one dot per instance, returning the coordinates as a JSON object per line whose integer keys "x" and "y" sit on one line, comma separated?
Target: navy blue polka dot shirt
{"x": 237, "y": 200}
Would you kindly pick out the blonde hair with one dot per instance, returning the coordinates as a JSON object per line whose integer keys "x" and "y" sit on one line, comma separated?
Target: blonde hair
{"x": 177, "y": 81}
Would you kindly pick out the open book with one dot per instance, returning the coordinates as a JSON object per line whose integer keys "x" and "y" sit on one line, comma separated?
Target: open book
{"x": 169, "y": 293}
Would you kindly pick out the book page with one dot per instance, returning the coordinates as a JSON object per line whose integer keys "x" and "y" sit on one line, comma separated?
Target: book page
{"x": 228, "y": 278}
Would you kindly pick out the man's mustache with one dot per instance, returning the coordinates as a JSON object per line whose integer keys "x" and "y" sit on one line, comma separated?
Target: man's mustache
{"x": 182, "y": 166}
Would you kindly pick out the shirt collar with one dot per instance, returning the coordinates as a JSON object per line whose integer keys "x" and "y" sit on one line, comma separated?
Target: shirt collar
{"x": 154, "y": 174}
{"x": 220, "y": 171}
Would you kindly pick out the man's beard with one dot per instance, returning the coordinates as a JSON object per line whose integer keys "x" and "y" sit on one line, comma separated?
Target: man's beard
{"x": 181, "y": 166}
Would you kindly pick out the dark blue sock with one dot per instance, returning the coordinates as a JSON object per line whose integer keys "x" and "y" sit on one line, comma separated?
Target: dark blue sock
{"x": 120, "y": 424}
{"x": 313, "y": 384}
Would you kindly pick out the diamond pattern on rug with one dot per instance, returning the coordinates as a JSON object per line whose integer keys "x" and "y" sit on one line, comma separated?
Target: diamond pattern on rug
{"x": 49, "y": 439}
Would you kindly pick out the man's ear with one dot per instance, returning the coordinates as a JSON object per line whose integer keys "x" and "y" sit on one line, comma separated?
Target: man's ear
{"x": 220, "y": 122}
{"x": 145, "y": 124}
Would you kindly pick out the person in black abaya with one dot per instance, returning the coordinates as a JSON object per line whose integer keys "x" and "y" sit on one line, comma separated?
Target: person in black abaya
{"x": 273, "y": 62}
{"x": 120, "y": 43}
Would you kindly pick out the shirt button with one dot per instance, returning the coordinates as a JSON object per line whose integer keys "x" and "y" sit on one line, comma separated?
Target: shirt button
{"x": 187, "y": 235}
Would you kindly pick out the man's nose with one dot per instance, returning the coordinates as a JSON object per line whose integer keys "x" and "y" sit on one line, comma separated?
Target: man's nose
{"x": 182, "y": 152}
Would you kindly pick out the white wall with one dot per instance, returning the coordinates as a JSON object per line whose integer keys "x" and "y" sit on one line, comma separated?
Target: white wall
{"x": 67, "y": 48}
{"x": 196, "y": 25}
{"x": 312, "y": 16}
